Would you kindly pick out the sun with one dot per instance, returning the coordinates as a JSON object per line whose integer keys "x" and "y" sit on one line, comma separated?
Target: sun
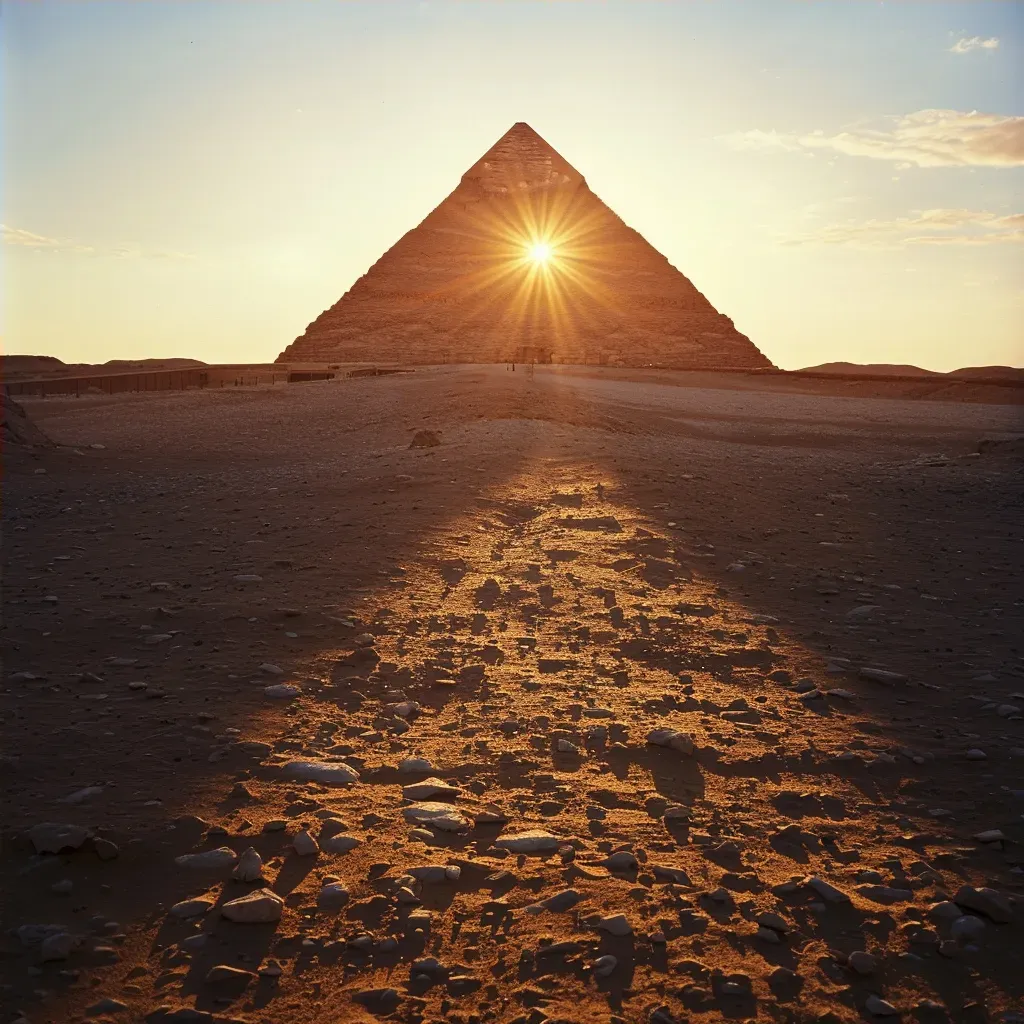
{"x": 540, "y": 252}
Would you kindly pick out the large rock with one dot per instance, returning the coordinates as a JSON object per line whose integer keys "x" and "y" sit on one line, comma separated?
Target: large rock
{"x": 249, "y": 867}
{"x": 50, "y": 837}
{"x": 989, "y": 902}
{"x": 534, "y": 840}
{"x": 329, "y": 773}
{"x": 430, "y": 789}
{"x": 263, "y": 906}
{"x": 427, "y": 300}
{"x": 208, "y": 860}
{"x": 443, "y": 817}
{"x": 671, "y": 738}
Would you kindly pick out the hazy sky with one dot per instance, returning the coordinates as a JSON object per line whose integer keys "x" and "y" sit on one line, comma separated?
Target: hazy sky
{"x": 202, "y": 179}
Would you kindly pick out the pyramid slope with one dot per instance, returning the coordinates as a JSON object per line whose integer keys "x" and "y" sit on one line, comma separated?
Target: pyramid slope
{"x": 460, "y": 286}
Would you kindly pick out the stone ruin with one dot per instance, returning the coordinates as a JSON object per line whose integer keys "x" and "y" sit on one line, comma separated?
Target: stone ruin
{"x": 464, "y": 286}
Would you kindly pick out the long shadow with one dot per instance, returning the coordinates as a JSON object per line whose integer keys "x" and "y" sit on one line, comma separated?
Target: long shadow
{"x": 717, "y": 512}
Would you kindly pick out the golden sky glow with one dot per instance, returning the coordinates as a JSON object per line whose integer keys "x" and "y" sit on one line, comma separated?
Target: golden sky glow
{"x": 842, "y": 180}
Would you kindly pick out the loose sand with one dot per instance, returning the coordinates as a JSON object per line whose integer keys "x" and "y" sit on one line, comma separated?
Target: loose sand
{"x": 584, "y": 558}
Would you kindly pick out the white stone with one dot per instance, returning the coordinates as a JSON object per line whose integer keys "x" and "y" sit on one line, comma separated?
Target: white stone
{"x": 330, "y": 773}
{"x": 439, "y": 816}
{"x": 492, "y": 814}
{"x": 282, "y": 691}
{"x": 428, "y": 789}
{"x": 192, "y": 908}
{"x": 249, "y": 867}
{"x": 409, "y": 765}
{"x": 222, "y": 857}
{"x": 534, "y": 840}
{"x": 259, "y": 907}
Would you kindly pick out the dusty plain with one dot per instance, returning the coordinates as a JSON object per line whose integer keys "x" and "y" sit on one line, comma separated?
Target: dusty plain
{"x": 204, "y": 591}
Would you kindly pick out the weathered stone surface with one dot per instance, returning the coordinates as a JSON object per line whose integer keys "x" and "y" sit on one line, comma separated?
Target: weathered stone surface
{"x": 222, "y": 857}
{"x": 986, "y": 901}
{"x": 672, "y": 738}
{"x": 329, "y": 773}
{"x": 192, "y": 908}
{"x": 262, "y": 906}
{"x": 452, "y": 289}
{"x": 436, "y": 815}
{"x": 50, "y": 837}
{"x": 430, "y": 789}
{"x": 249, "y": 867}
{"x": 339, "y": 843}
{"x": 534, "y": 840}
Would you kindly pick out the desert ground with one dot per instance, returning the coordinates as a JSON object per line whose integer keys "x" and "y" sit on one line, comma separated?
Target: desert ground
{"x": 628, "y": 701}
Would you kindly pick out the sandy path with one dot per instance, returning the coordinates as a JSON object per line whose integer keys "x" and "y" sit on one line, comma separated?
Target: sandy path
{"x": 586, "y": 560}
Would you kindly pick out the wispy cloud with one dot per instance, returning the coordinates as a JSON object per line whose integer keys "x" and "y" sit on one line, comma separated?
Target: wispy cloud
{"x": 923, "y": 227}
{"x": 30, "y": 240}
{"x": 43, "y": 243}
{"x": 926, "y": 138}
{"x": 965, "y": 45}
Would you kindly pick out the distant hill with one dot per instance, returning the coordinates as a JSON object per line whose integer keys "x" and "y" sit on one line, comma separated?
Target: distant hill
{"x": 1012, "y": 373}
{"x": 882, "y": 369}
{"x": 114, "y": 365}
{"x": 990, "y": 372}
{"x": 51, "y": 366}
{"x": 31, "y": 364}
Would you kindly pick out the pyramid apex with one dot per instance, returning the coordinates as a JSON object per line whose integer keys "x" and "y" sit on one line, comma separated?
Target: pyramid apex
{"x": 521, "y": 161}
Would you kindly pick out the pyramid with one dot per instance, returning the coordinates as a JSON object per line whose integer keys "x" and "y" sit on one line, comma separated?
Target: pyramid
{"x": 522, "y": 262}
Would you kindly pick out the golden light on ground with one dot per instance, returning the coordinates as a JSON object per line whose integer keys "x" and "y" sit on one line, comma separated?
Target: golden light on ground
{"x": 540, "y": 252}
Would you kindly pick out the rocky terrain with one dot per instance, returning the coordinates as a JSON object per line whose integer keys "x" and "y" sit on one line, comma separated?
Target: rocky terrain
{"x": 460, "y": 286}
{"x": 467, "y": 695}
